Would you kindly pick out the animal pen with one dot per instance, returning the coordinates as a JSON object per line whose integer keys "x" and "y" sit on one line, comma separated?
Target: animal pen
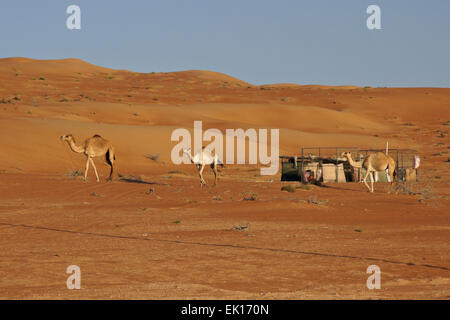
{"x": 327, "y": 164}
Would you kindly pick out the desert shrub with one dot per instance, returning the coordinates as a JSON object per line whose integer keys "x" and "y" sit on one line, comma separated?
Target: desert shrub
{"x": 316, "y": 201}
{"x": 423, "y": 190}
{"x": 175, "y": 172}
{"x": 74, "y": 174}
{"x": 288, "y": 188}
{"x": 303, "y": 186}
{"x": 250, "y": 197}
{"x": 241, "y": 227}
{"x": 152, "y": 157}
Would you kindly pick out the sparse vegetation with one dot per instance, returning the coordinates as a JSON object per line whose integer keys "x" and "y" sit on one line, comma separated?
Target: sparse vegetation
{"x": 316, "y": 201}
{"x": 188, "y": 200}
{"x": 241, "y": 227}
{"x": 74, "y": 174}
{"x": 175, "y": 172}
{"x": 288, "y": 188}
{"x": 423, "y": 190}
{"x": 5, "y": 101}
{"x": 303, "y": 186}
{"x": 250, "y": 197}
{"x": 152, "y": 157}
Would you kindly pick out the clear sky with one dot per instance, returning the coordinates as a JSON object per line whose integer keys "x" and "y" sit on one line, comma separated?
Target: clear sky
{"x": 259, "y": 41}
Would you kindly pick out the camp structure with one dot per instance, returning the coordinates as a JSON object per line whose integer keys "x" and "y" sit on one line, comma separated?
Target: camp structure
{"x": 326, "y": 164}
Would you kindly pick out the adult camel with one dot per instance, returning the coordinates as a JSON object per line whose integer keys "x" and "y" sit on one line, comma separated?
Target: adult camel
{"x": 93, "y": 147}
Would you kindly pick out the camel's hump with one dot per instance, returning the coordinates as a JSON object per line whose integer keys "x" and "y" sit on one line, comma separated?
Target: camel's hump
{"x": 97, "y": 136}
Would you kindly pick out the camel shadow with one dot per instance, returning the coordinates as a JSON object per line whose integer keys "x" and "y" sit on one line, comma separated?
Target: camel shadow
{"x": 346, "y": 189}
{"x": 138, "y": 180}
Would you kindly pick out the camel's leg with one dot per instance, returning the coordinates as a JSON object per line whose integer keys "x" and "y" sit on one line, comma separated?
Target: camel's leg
{"x": 87, "y": 168}
{"x": 371, "y": 182}
{"x": 200, "y": 173}
{"x": 95, "y": 169}
{"x": 214, "y": 168}
{"x": 110, "y": 160}
{"x": 392, "y": 176}
{"x": 364, "y": 179}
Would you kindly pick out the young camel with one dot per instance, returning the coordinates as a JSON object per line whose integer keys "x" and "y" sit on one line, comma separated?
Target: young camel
{"x": 378, "y": 162}
{"x": 200, "y": 160}
{"x": 93, "y": 147}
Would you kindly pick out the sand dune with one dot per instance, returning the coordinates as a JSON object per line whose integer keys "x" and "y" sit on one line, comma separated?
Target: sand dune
{"x": 42, "y": 99}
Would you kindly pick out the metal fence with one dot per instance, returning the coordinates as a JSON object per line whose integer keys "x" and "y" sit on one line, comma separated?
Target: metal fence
{"x": 293, "y": 167}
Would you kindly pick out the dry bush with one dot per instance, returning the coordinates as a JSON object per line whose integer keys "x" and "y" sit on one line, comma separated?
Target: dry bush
{"x": 315, "y": 200}
{"x": 424, "y": 190}
{"x": 152, "y": 157}
{"x": 241, "y": 227}
{"x": 288, "y": 188}
{"x": 250, "y": 197}
{"x": 74, "y": 174}
{"x": 176, "y": 172}
{"x": 303, "y": 186}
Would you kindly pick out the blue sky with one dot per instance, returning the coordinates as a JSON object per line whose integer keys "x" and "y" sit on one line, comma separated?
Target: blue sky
{"x": 259, "y": 41}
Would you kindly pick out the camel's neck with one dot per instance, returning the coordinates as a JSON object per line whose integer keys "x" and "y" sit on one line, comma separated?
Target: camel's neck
{"x": 352, "y": 163}
{"x": 189, "y": 156}
{"x": 74, "y": 147}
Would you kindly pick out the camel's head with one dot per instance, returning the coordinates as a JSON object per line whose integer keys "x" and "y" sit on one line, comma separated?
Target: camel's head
{"x": 66, "y": 137}
{"x": 346, "y": 154}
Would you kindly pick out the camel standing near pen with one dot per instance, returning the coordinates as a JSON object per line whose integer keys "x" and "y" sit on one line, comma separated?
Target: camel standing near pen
{"x": 377, "y": 162}
{"x": 93, "y": 147}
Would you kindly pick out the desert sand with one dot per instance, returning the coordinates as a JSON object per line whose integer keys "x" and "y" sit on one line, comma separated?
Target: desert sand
{"x": 155, "y": 234}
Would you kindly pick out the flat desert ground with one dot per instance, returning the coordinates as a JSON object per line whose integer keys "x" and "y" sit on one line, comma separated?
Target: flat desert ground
{"x": 153, "y": 233}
